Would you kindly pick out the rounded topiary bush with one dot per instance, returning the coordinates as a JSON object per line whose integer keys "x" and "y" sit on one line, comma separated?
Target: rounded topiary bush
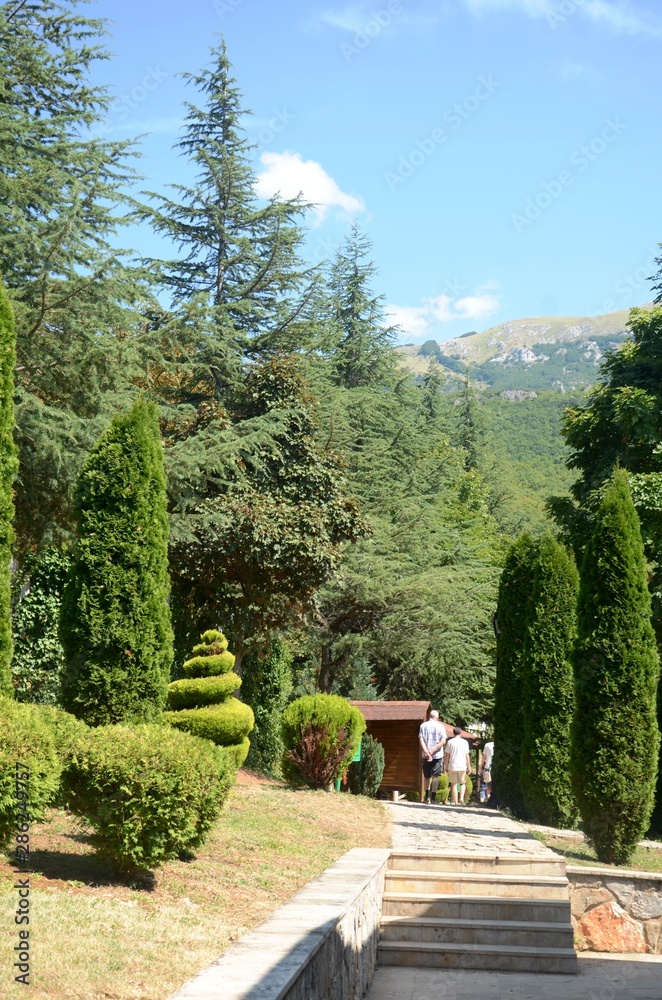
{"x": 25, "y": 739}
{"x": 67, "y": 731}
{"x": 202, "y": 704}
{"x": 365, "y": 775}
{"x": 149, "y": 793}
{"x": 321, "y": 734}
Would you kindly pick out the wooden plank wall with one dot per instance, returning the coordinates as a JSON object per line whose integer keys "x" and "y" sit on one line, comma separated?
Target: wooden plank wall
{"x": 402, "y": 767}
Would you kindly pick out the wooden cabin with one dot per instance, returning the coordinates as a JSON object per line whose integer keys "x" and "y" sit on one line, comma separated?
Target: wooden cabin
{"x": 396, "y": 724}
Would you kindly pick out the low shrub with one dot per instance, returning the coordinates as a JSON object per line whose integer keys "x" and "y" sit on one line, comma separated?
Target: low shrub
{"x": 25, "y": 739}
{"x": 66, "y": 729}
{"x": 321, "y": 734}
{"x": 365, "y": 775}
{"x": 149, "y": 793}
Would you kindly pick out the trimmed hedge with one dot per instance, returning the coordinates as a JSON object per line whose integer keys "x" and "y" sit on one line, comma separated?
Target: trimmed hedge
{"x": 149, "y": 792}
{"x": 365, "y": 775}
{"x": 222, "y": 724}
{"x": 321, "y": 734}
{"x": 201, "y": 690}
{"x": 67, "y": 731}
{"x": 25, "y": 738}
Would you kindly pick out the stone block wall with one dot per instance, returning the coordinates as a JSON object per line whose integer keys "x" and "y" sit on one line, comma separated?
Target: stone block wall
{"x": 619, "y": 911}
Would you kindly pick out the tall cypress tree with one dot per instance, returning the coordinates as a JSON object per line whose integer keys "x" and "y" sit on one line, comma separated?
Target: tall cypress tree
{"x": 115, "y": 619}
{"x": 514, "y": 609}
{"x": 8, "y": 466}
{"x": 549, "y": 687}
{"x": 615, "y": 738}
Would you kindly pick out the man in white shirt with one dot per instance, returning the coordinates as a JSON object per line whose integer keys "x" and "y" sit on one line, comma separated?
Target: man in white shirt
{"x": 485, "y": 770}
{"x": 431, "y": 737}
{"x": 457, "y": 765}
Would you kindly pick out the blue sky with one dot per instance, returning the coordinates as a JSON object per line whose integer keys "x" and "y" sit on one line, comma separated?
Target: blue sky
{"x": 502, "y": 155}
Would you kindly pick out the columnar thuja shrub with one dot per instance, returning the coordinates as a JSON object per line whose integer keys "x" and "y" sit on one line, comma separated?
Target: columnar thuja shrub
{"x": 615, "y": 738}
{"x": 321, "y": 734}
{"x": 115, "y": 620}
{"x": 549, "y": 687}
{"x": 267, "y": 683}
{"x": 8, "y": 466}
{"x": 202, "y": 703}
{"x": 365, "y": 775}
{"x": 515, "y": 591}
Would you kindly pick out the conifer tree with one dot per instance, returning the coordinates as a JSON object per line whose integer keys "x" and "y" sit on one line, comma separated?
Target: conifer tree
{"x": 267, "y": 687}
{"x": 8, "y": 465}
{"x": 469, "y": 428}
{"x": 512, "y": 619}
{"x": 549, "y": 695}
{"x": 615, "y": 738}
{"x": 115, "y": 620}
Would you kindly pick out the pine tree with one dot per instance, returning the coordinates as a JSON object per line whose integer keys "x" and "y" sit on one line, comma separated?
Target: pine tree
{"x": 267, "y": 687}
{"x": 615, "y": 738}
{"x": 469, "y": 426}
{"x": 115, "y": 620}
{"x": 549, "y": 687}
{"x": 8, "y": 466}
{"x": 512, "y": 620}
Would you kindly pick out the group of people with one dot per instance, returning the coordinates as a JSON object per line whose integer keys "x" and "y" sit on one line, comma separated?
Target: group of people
{"x": 451, "y": 756}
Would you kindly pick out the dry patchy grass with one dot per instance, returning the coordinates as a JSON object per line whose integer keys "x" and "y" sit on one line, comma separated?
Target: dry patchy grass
{"x": 578, "y": 852}
{"x": 94, "y": 937}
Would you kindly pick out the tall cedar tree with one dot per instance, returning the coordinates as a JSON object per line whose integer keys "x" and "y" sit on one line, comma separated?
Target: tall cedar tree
{"x": 513, "y": 616}
{"x": 621, "y": 425}
{"x": 62, "y": 200}
{"x": 8, "y": 465}
{"x": 615, "y": 738}
{"x": 469, "y": 427}
{"x": 115, "y": 620}
{"x": 549, "y": 694}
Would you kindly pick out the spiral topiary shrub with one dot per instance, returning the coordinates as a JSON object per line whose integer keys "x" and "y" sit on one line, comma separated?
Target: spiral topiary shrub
{"x": 201, "y": 702}
{"x": 365, "y": 775}
{"x": 321, "y": 734}
{"x": 25, "y": 739}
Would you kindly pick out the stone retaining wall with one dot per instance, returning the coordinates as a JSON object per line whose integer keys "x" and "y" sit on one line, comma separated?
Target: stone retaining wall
{"x": 320, "y": 945}
{"x": 616, "y": 911}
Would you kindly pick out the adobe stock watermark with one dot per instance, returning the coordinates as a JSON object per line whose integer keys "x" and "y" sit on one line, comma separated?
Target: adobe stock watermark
{"x": 279, "y": 121}
{"x": 556, "y": 16}
{"x": 129, "y": 101}
{"x": 223, "y": 7}
{"x": 454, "y": 118}
{"x": 374, "y": 25}
{"x": 581, "y": 159}
{"x": 628, "y": 285}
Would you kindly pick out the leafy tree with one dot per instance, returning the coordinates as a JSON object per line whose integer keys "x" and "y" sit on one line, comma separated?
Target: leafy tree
{"x": 548, "y": 701}
{"x": 38, "y": 656}
{"x": 115, "y": 621}
{"x": 615, "y": 738}
{"x": 8, "y": 464}
{"x": 267, "y": 687}
{"x": 512, "y": 619}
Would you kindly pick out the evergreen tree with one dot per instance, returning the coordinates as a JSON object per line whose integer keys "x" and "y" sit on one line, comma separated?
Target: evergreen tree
{"x": 549, "y": 687}
{"x": 8, "y": 465}
{"x": 469, "y": 426}
{"x": 267, "y": 687}
{"x": 115, "y": 620}
{"x": 615, "y": 738}
{"x": 512, "y": 620}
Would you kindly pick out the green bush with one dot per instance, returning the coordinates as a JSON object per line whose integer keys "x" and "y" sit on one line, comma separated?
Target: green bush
{"x": 267, "y": 687}
{"x": 208, "y": 685}
{"x": 25, "y": 738}
{"x": 115, "y": 620}
{"x": 149, "y": 792}
{"x": 365, "y": 775}
{"x": 67, "y": 731}
{"x": 321, "y": 734}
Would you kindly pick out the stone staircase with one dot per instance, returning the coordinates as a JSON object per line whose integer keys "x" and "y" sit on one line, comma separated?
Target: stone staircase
{"x": 508, "y": 912}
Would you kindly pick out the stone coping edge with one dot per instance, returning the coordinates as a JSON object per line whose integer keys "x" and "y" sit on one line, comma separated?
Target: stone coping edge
{"x": 613, "y": 874}
{"x": 267, "y": 961}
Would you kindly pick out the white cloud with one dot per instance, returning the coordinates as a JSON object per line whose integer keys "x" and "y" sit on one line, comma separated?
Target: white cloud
{"x": 412, "y": 319}
{"x": 477, "y": 306}
{"x": 418, "y": 321}
{"x": 287, "y": 175}
{"x": 619, "y": 16}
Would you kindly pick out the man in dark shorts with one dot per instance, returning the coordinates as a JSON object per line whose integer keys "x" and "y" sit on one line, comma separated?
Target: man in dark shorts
{"x": 432, "y": 737}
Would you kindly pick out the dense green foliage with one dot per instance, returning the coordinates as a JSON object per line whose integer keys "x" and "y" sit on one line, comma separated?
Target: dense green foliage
{"x": 115, "y": 620}
{"x": 548, "y": 688}
{"x": 209, "y": 684}
{"x": 615, "y": 738}
{"x": 513, "y": 615}
{"x": 266, "y": 688}
{"x": 148, "y": 792}
{"x": 25, "y": 739}
{"x": 38, "y": 656}
{"x": 8, "y": 466}
{"x": 321, "y": 734}
{"x": 365, "y": 775}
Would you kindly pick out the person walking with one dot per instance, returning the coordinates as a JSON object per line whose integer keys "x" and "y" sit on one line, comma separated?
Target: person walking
{"x": 432, "y": 737}
{"x": 457, "y": 765}
{"x": 485, "y": 769}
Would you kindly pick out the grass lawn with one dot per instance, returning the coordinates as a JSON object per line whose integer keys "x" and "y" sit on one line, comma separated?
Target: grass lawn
{"x": 94, "y": 937}
{"x": 578, "y": 852}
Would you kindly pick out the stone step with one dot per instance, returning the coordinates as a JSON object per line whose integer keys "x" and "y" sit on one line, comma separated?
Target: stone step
{"x": 476, "y": 907}
{"x": 462, "y": 931}
{"x": 477, "y": 884}
{"x": 499, "y": 864}
{"x": 473, "y": 956}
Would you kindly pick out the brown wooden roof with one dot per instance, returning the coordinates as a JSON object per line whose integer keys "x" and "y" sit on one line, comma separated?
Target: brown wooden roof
{"x": 396, "y": 710}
